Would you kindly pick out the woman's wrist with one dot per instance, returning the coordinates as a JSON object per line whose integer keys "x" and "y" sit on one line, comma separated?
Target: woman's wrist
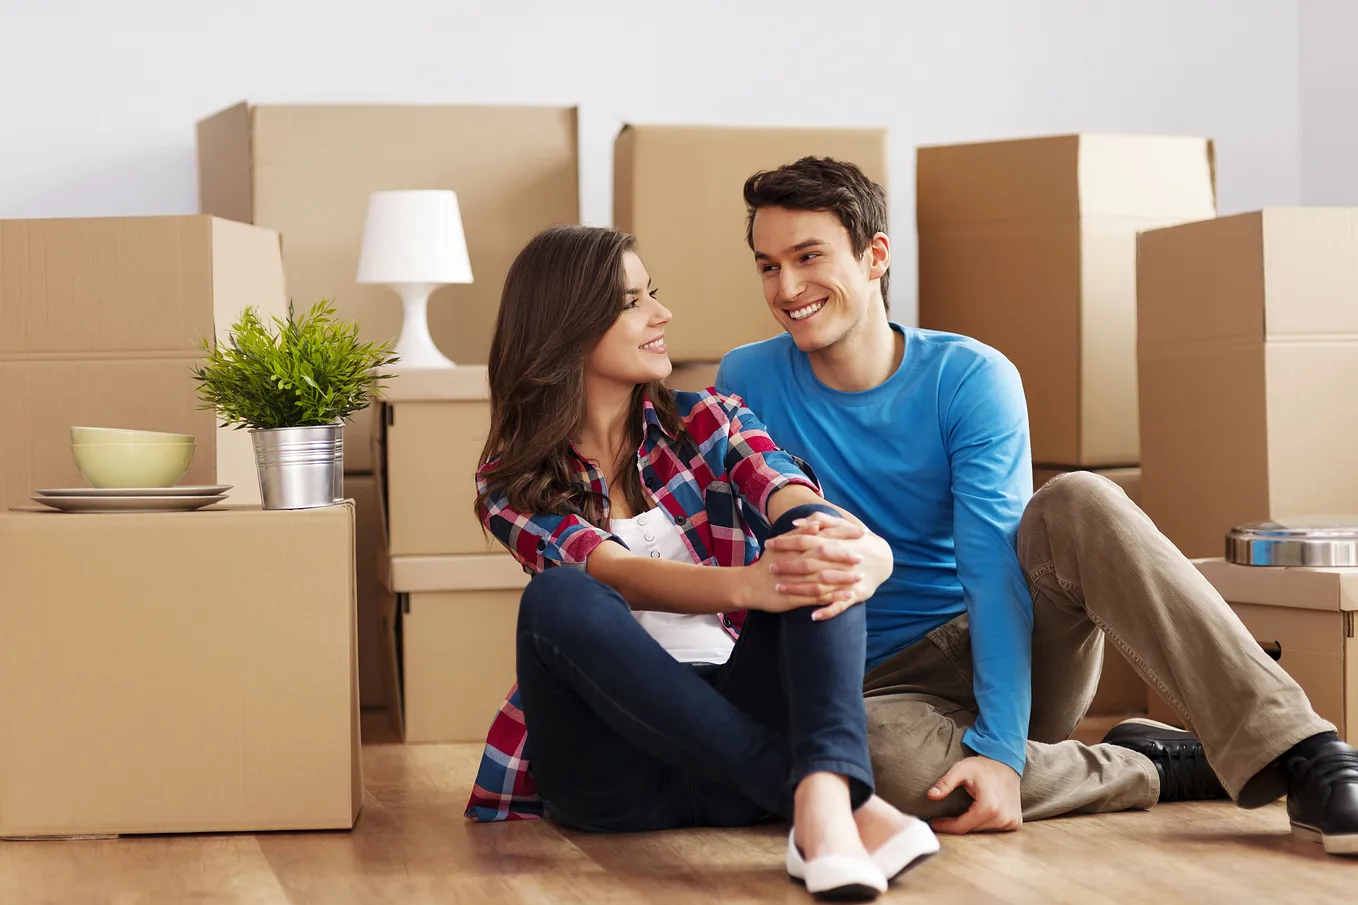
{"x": 736, "y": 587}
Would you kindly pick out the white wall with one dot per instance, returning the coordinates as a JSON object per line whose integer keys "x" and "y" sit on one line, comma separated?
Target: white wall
{"x": 1329, "y": 101}
{"x": 97, "y": 112}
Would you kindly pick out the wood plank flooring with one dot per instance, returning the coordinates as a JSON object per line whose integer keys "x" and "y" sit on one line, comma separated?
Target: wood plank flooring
{"x": 412, "y": 845}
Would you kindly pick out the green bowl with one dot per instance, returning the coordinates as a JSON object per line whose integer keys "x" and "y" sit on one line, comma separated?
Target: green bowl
{"x": 92, "y": 435}
{"x": 132, "y": 464}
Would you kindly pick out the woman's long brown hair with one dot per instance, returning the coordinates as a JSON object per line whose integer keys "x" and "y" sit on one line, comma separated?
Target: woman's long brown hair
{"x": 562, "y": 294}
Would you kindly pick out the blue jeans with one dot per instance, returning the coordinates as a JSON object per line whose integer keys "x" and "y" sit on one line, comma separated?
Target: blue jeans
{"x": 623, "y": 738}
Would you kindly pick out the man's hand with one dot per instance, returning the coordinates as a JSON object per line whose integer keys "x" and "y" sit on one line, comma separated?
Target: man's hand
{"x": 812, "y": 571}
{"x": 994, "y": 789}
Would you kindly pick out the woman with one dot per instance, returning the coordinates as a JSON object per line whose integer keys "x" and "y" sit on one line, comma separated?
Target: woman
{"x": 641, "y": 701}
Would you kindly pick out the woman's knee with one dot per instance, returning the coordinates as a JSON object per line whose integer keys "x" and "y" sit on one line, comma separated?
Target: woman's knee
{"x": 784, "y": 523}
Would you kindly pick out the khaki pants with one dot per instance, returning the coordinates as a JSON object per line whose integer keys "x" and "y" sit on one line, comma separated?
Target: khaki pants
{"x": 1098, "y": 569}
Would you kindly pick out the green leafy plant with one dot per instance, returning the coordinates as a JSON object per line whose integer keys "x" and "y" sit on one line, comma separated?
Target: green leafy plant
{"x": 304, "y": 372}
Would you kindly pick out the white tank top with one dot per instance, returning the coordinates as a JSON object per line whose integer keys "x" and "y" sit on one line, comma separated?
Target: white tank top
{"x": 688, "y": 638}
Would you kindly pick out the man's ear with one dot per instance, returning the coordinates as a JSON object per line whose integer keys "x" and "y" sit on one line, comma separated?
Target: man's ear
{"x": 879, "y": 256}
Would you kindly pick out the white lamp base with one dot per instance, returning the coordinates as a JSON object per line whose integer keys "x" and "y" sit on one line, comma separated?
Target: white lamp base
{"x": 416, "y": 347}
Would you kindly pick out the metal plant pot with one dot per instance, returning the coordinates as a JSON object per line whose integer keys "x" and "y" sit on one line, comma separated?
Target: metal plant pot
{"x": 300, "y": 467}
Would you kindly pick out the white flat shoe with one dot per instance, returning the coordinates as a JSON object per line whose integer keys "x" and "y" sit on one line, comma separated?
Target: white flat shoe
{"x": 908, "y": 849}
{"x": 838, "y": 878}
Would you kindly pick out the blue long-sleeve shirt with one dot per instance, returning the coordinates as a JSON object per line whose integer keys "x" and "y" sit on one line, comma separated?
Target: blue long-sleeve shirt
{"x": 937, "y": 461}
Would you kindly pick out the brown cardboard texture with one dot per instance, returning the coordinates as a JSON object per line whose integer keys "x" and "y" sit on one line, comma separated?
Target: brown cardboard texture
{"x": 1307, "y": 615}
{"x": 1030, "y": 247}
{"x": 1248, "y": 353}
{"x": 374, "y": 598}
{"x": 678, "y": 189}
{"x": 307, "y": 171}
{"x": 1129, "y": 479}
{"x": 456, "y": 642}
{"x": 178, "y": 672}
{"x": 692, "y": 378}
{"x": 98, "y": 324}
{"x": 436, "y": 423}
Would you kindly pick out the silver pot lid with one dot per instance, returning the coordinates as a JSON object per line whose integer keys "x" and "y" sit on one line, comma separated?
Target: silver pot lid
{"x": 1321, "y": 540}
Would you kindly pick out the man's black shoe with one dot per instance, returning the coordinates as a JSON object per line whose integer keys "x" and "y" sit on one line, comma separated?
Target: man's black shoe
{"x": 1322, "y": 793}
{"x": 1178, "y": 756}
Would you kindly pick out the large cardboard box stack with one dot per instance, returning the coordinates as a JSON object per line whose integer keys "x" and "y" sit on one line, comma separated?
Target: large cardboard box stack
{"x": 1305, "y": 618}
{"x": 1030, "y": 247}
{"x": 678, "y": 189}
{"x": 450, "y": 636}
{"x": 99, "y": 320}
{"x": 307, "y": 172}
{"x": 1248, "y": 358}
{"x": 177, "y": 672}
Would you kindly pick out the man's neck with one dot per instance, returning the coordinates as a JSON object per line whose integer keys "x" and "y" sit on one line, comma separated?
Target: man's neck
{"x": 863, "y": 359}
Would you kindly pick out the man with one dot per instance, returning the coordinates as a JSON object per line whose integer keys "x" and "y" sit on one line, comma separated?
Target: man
{"x": 985, "y": 646}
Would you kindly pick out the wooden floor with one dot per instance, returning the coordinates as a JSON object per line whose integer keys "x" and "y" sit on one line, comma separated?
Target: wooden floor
{"x": 412, "y": 845}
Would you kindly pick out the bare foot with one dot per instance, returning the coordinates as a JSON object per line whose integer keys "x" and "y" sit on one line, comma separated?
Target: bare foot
{"x": 878, "y": 821}
{"x": 824, "y": 819}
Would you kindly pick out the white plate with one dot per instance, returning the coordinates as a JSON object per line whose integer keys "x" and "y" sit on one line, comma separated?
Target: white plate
{"x": 129, "y": 503}
{"x": 183, "y": 490}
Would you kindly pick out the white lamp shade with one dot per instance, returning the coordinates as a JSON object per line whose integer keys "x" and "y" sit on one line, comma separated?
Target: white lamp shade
{"x": 414, "y": 237}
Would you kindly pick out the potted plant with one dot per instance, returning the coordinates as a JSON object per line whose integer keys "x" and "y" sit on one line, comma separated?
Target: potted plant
{"x": 293, "y": 386}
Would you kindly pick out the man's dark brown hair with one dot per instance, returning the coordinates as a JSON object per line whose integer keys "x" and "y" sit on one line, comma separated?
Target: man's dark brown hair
{"x": 823, "y": 184}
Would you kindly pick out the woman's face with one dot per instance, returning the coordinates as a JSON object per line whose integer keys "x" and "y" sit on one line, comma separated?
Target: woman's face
{"x": 633, "y": 350}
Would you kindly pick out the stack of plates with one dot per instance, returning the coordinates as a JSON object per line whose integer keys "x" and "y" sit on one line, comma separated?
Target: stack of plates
{"x": 133, "y": 499}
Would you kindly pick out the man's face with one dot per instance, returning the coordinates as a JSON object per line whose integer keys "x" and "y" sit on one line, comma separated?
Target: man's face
{"x": 817, "y": 288}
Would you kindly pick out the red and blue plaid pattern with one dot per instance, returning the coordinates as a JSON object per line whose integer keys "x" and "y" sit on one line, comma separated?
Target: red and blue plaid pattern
{"x": 711, "y": 481}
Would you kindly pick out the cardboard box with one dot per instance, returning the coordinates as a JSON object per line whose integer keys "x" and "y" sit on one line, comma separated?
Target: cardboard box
{"x": 1129, "y": 479}
{"x": 453, "y": 643}
{"x": 359, "y": 433}
{"x": 307, "y": 171}
{"x": 1030, "y": 247}
{"x": 678, "y": 189}
{"x": 375, "y": 599}
{"x": 1248, "y": 359}
{"x": 98, "y": 324}
{"x": 435, "y": 424}
{"x": 693, "y": 377}
{"x": 178, "y": 672}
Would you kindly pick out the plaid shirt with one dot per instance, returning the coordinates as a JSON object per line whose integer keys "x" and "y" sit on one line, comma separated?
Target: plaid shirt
{"x": 710, "y": 483}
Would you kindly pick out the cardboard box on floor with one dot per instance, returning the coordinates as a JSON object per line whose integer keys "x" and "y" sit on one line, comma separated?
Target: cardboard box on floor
{"x": 1030, "y": 247}
{"x": 450, "y": 645}
{"x": 307, "y": 171}
{"x": 678, "y": 189}
{"x": 374, "y": 598}
{"x": 178, "y": 672}
{"x": 98, "y": 324}
{"x": 1248, "y": 356}
{"x": 1305, "y": 614}
{"x": 434, "y": 426}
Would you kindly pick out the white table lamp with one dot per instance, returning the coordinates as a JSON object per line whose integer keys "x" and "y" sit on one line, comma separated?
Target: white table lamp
{"x": 414, "y": 243}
